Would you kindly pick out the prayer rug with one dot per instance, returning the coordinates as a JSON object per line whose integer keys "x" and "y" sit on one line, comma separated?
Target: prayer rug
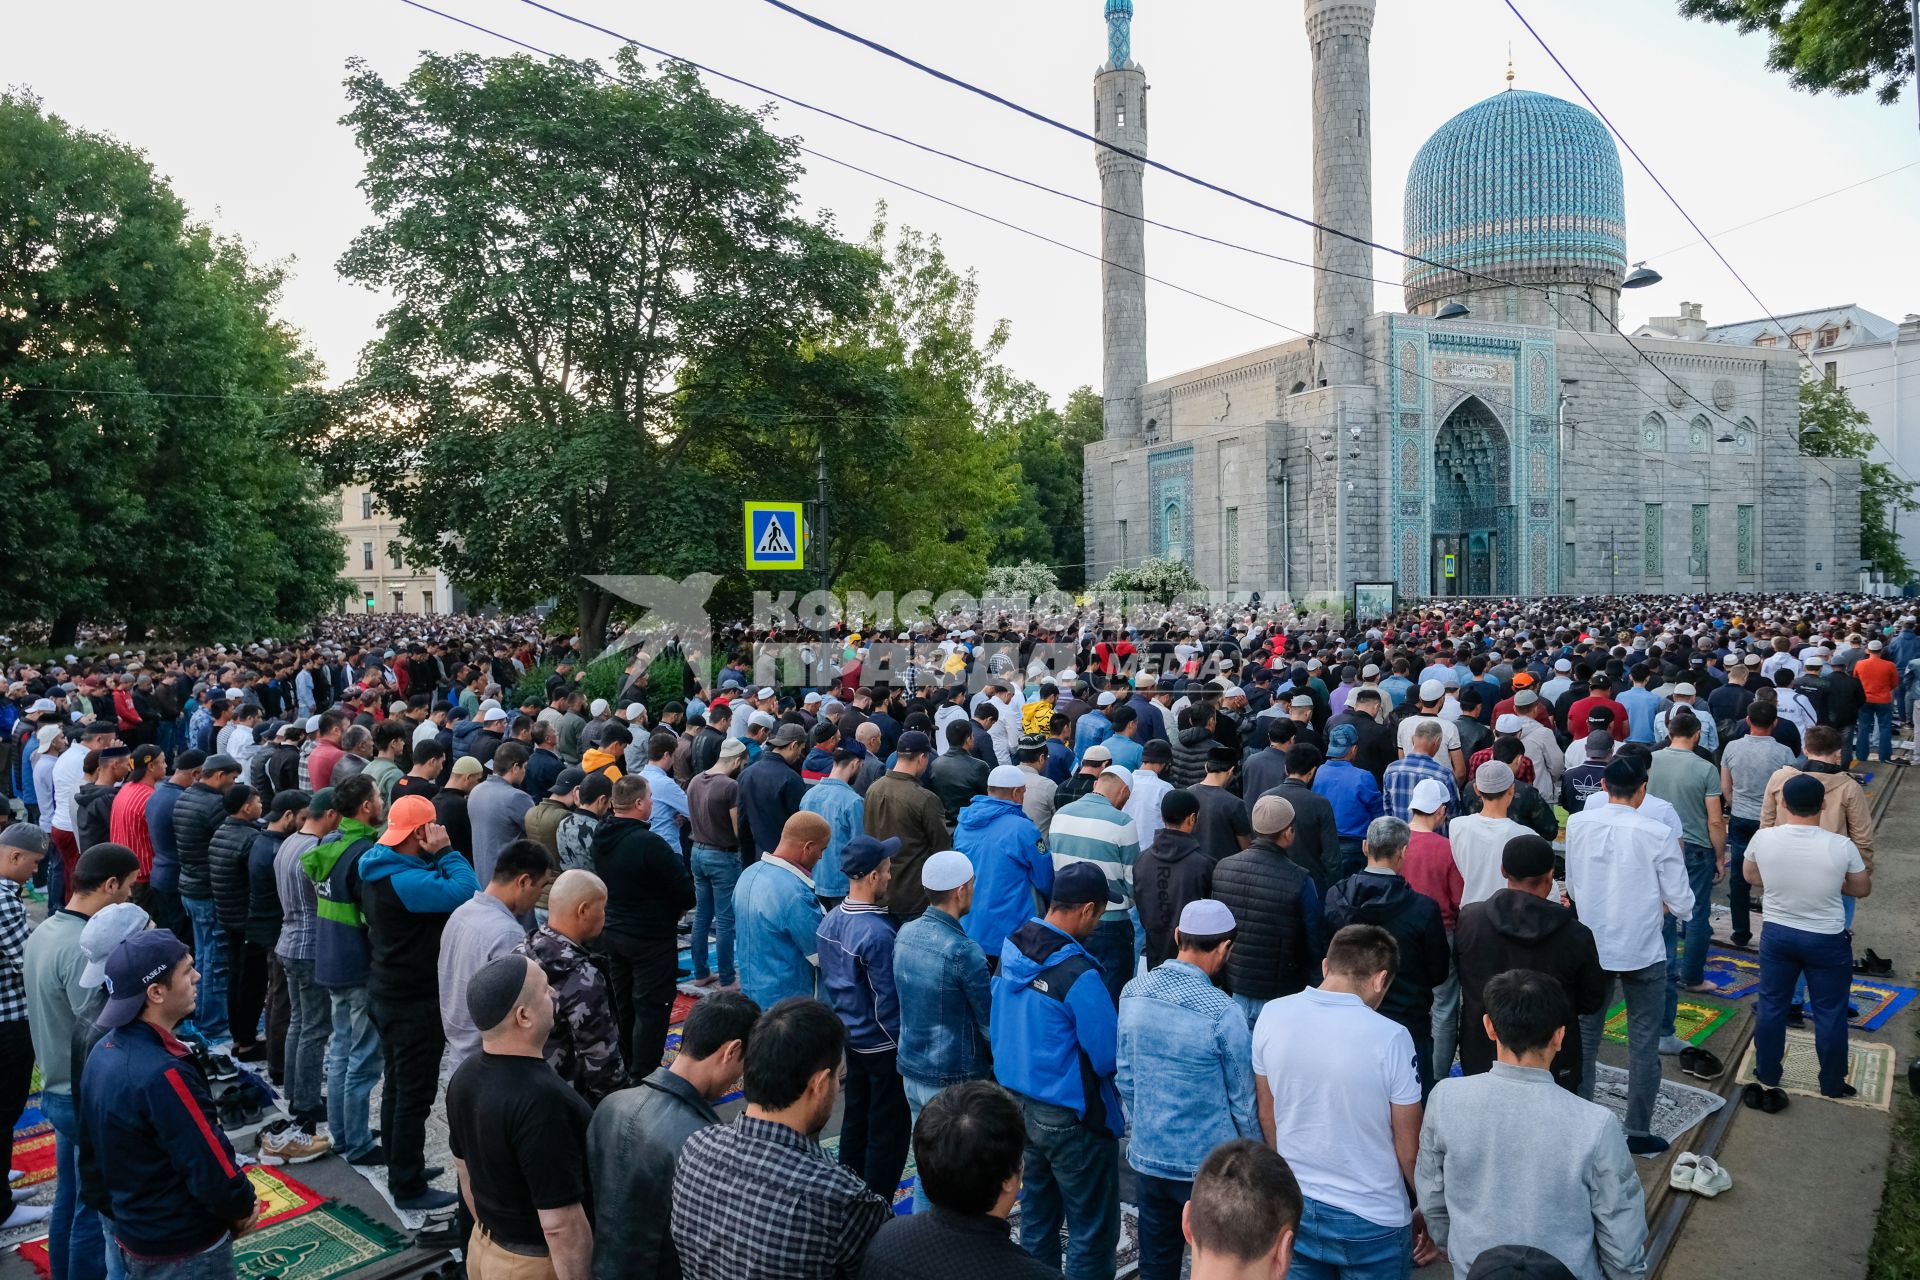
{"x": 32, "y": 1121}
{"x": 1693, "y": 1021}
{"x": 1869, "y": 1069}
{"x": 330, "y": 1240}
{"x": 1732, "y": 974}
{"x": 1677, "y": 1108}
{"x": 34, "y": 1158}
{"x": 282, "y": 1197}
{"x": 35, "y": 1252}
{"x": 1735, "y": 974}
{"x": 682, "y": 1006}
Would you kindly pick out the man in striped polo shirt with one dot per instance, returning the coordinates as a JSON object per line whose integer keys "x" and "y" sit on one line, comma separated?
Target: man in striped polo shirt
{"x": 1094, "y": 829}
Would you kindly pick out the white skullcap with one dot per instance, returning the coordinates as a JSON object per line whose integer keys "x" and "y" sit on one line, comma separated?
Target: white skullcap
{"x": 945, "y": 871}
{"x": 1007, "y": 777}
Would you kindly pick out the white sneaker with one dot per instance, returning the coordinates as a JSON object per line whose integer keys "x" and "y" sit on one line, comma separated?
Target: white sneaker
{"x": 1710, "y": 1179}
{"x": 26, "y": 1215}
{"x": 1686, "y": 1167}
{"x": 292, "y": 1145}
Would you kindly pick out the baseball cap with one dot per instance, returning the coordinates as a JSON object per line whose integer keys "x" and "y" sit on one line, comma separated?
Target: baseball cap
{"x": 1599, "y": 743}
{"x": 945, "y": 870}
{"x": 1517, "y": 1262}
{"x": 1079, "y": 883}
{"x": 1097, "y": 754}
{"x": 139, "y": 960}
{"x": 143, "y": 755}
{"x": 1007, "y": 777}
{"x": 105, "y": 930}
{"x": 220, "y": 763}
{"x": 320, "y": 803}
{"x": 26, "y": 836}
{"x": 409, "y": 814}
{"x": 465, "y": 766}
{"x": 864, "y": 853}
{"x": 1813, "y": 659}
{"x": 1508, "y": 723}
{"x": 1271, "y": 815}
{"x": 567, "y": 779}
{"x": 1341, "y": 739}
{"x": 762, "y": 720}
{"x": 786, "y": 735}
{"x": 41, "y": 707}
{"x": 1432, "y": 691}
{"x": 732, "y": 747}
{"x": 1206, "y": 918}
{"x": 1119, "y": 771}
{"x": 1429, "y": 796}
{"x": 913, "y": 743}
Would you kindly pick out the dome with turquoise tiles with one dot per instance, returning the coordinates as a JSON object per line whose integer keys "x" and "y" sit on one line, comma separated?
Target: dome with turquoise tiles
{"x": 1525, "y": 188}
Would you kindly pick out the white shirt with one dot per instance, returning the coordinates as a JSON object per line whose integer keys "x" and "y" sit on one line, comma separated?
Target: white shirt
{"x": 941, "y": 719}
{"x": 1449, "y": 734}
{"x": 1478, "y": 841}
{"x": 1143, "y": 805}
{"x": 1794, "y": 706}
{"x": 428, "y": 729}
{"x": 1772, "y": 665}
{"x": 1803, "y": 868}
{"x": 1651, "y": 806}
{"x": 1336, "y": 1069}
{"x": 1550, "y": 691}
{"x": 69, "y": 773}
{"x": 1623, "y": 867}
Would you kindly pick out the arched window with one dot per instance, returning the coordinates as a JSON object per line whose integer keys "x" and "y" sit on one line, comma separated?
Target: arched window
{"x": 1653, "y": 432}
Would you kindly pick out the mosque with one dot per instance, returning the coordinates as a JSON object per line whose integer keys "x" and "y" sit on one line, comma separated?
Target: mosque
{"x": 1498, "y": 437}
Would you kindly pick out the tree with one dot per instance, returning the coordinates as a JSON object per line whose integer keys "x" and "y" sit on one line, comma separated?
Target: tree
{"x": 1827, "y": 46}
{"x": 1832, "y": 427}
{"x": 1157, "y": 579}
{"x": 1023, "y": 581}
{"x": 146, "y": 395}
{"x": 565, "y": 249}
{"x": 1050, "y": 447}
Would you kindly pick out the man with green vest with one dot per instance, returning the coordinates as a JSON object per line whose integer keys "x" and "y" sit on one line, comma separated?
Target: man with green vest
{"x": 340, "y": 966}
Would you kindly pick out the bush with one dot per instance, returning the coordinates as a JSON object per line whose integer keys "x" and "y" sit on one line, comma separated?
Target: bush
{"x": 1161, "y": 580}
{"x": 1027, "y": 580}
{"x": 603, "y": 677}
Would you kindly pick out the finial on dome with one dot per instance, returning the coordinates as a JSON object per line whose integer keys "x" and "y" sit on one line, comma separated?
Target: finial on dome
{"x": 1509, "y": 64}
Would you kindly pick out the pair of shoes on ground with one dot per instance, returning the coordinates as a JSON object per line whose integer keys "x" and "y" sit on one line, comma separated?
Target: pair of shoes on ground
{"x": 1700, "y": 1064}
{"x": 1874, "y": 964}
{"x": 1699, "y": 1174}
{"x": 290, "y": 1143}
{"x": 1768, "y": 1098}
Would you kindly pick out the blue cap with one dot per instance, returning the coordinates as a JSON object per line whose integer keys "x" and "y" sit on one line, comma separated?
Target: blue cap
{"x": 864, "y": 853}
{"x": 1341, "y": 739}
{"x": 913, "y": 743}
{"x": 1079, "y": 883}
{"x": 142, "y": 959}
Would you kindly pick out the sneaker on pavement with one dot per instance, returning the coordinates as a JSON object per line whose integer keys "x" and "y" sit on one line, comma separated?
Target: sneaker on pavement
{"x": 1673, "y": 1044}
{"x": 427, "y": 1201}
{"x": 26, "y": 1215}
{"x": 291, "y": 1144}
{"x": 1710, "y": 1179}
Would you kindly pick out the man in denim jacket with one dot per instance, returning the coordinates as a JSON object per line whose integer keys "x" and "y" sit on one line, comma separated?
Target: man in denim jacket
{"x": 945, "y": 993}
{"x": 1185, "y": 1076}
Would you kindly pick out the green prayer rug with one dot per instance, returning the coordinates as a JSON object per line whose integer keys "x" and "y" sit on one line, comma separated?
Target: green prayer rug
{"x": 329, "y": 1240}
{"x": 1693, "y": 1021}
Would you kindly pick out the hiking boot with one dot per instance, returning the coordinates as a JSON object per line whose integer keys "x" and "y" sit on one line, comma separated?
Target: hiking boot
{"x": 288, "y": 1143}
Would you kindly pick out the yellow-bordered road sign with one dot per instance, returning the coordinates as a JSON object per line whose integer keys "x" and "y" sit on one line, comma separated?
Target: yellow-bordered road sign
{"x": 774, "y": 533}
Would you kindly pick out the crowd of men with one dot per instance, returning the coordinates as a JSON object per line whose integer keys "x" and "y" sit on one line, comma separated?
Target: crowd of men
{"x": 1214, "y": 905}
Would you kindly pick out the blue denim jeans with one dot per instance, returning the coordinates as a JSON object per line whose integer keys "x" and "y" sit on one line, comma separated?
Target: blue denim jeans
{"x": 1071, "y": 1174}
{"x": 212, "y": 958}
{"x": 1699, "y": 934}
{"x": 309, "y": 1028}
{"x": 1800, "y": 987}
{"x": 918, "y": 1096}
{"x": 1251, "y": 1007}
{"x": 76, "y": 1244}
{"x": 353, "y": 1067}
{"x": 1336, "y": 1245}
{"x": 1445, "y": 1023}
{"x": 1827, "y": 961}
{"x": 1739, "y": 892}
{"x": 215, "y": 1264}
{"x": 1872, "y": 714}
{"x": 714, "y": 874}
{"x": 1645, "y": 991}
{"x": 1112, "y": 945}
{"x": 1162, "y": 1243}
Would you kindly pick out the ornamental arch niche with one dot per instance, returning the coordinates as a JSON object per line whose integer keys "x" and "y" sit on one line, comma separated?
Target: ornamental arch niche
{"x": 1472, "y": 530}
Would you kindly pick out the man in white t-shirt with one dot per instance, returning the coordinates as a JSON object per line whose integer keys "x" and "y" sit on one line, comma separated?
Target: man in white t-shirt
{"x": 1429, "y": 699}
{"x": 1479, "y": 839}
{"x": 1806, "y": 873}
{"x": 1338, "y": 1094}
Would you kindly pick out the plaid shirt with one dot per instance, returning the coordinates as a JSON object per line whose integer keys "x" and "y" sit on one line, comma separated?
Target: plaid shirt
{"x": 13, "y": 954}
{"x": 754, "y": 1200}
{"x": 1396, "y": 789}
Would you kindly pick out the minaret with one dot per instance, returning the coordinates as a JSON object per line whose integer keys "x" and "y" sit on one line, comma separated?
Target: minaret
{"x": 1120, "y": 118}
{"x": 1339, "y": 31}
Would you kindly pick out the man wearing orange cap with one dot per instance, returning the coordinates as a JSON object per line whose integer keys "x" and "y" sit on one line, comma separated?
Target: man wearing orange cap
{"x": 410, "y": 882}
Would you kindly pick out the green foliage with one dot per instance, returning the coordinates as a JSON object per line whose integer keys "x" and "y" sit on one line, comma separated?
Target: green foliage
{"x": 1831, "y": 46}
{"x": 1026, "y": 580}
{"x": 146, "y": 392}
{"x": 1048, "y": 522}
{"x": 603, "y": 677}
{"x": 1832, "y": 427}
{"x": 1157, "y": 579}
{"x": 563, "y": 251}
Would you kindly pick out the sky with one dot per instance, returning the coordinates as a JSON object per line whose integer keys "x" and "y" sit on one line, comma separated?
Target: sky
{"x": 238, "y": 105}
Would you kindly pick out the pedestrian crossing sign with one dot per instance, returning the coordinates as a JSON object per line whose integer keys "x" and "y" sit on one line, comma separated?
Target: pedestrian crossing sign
{"x": 1448, "y": 565}
{"x": 774, "y": 531}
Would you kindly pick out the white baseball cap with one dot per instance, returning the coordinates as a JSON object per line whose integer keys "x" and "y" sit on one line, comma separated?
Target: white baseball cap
{"x": 1428, "y": 796}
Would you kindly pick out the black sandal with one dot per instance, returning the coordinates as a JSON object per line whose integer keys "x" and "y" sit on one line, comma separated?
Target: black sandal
{"x": 1688, "y": 1057}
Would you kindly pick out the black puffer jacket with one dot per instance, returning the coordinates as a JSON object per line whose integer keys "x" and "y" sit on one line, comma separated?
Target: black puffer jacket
{"x": 1167, "y": 877}
{"x": 227, "y": 868}
{"x": 263, "y": 891}
{"x": 1277, "y": 947}
{"x": 1190, "y": 749}
{"x": 1414, "y": 921}
{"x": 196, "y": 816}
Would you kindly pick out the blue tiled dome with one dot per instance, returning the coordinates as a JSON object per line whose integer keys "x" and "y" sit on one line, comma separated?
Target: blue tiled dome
{"x": 1523, "y": 187}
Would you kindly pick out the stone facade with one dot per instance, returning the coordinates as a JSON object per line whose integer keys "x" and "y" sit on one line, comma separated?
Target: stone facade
{"x": 1339, "y": 33}
{"x": 1120, "y": 118}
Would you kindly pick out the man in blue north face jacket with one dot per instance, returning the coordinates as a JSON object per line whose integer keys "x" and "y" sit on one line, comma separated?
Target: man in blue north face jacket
{"x": 1054, "y": 1035}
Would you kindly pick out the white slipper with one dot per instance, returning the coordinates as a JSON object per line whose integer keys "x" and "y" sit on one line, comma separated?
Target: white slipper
{"x": 1710, "y": 1179}
{"x": 1686, "y": 1168}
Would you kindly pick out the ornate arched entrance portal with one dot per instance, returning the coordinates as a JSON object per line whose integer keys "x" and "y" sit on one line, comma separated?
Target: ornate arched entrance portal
{"x": 1473, "y": 543}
